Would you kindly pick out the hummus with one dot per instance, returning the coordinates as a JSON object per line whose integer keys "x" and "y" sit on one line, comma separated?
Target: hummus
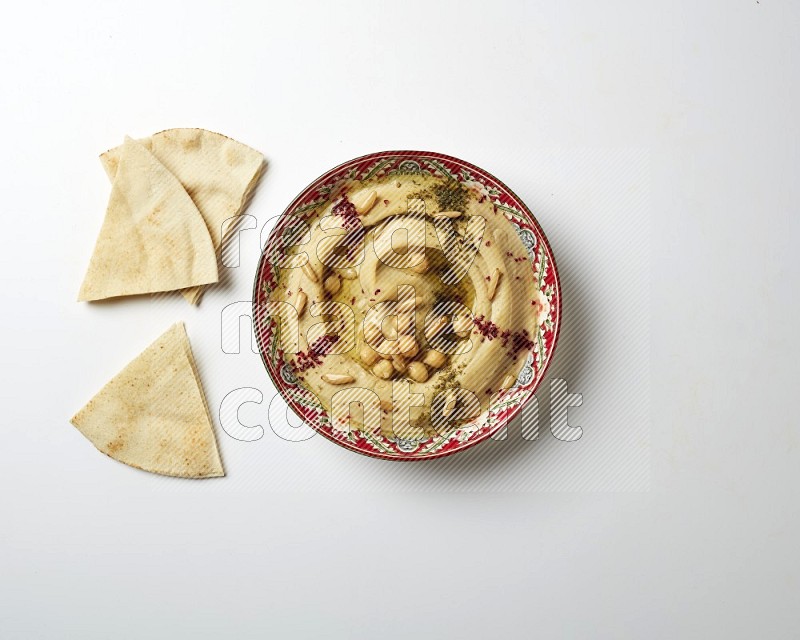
{"x": 411, "y": 305}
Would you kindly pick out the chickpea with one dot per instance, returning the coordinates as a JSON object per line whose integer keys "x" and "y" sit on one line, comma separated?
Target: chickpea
{"x": 435, "y": 359}
{"x": 399, "y": 363}
{"x": 368, "y": 355}
{"x": 408, "y": 346}
{"x": 436, "y": 326}
{"x": 462, "y": 325}
{"x": 390, "y": 327}
{"x": 333, "y": 284}
{"x": 372, "y": 333}
{"x": 385, "y": 350}
{"x": 404, "y": 323}
{"x": 383, "y": 369}
{"x": 417, "y": 372}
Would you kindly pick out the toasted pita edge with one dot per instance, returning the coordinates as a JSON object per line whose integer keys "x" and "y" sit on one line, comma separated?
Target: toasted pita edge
{"x": 115, "y": 269}
{"x": 110, "y": 162}
{"x": 176, "y": 339}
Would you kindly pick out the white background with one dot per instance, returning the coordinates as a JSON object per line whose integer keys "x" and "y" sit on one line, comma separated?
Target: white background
{"x": 657, "y": 143}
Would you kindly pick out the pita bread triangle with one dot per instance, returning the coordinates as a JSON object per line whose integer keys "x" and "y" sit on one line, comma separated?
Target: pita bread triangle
{"x": 153, "y": 237}
{"x": 217, "y": 172}
{"x": 153, "y": 415}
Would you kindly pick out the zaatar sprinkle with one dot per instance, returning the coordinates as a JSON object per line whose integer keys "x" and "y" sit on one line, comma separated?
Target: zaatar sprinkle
{"x": 451, "y": 197}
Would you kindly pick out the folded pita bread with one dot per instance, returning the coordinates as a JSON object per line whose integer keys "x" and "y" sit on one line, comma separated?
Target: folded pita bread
{"x": 217, "y": 172}
{"x": 153, "y": 414}
{"x": 153, "y": 237}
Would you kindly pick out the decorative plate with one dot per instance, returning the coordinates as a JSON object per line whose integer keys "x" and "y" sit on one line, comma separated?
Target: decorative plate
{"x": 543, "y": 269}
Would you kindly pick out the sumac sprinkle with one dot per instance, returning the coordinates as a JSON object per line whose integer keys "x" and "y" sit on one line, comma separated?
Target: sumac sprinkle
{"x": 347, "y": 211}
{"x": 487, "y": 328}
{"x": 517, "y": 341}
{"x": 520, "y": 342}
{"x": 318, "y": 349}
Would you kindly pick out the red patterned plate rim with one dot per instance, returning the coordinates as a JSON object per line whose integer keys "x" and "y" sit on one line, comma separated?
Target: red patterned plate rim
{"x": 526, "y": 226}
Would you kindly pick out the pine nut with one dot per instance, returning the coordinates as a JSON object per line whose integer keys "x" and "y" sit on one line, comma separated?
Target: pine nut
{"x": 300, "y": 305}
{"x": 337, "y": 378}
{"x": 310, "y": 273}
{"x": 365, "y": 203}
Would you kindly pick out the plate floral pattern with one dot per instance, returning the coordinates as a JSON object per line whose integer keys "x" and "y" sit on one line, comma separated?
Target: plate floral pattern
{"x": 521, "y": 220}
